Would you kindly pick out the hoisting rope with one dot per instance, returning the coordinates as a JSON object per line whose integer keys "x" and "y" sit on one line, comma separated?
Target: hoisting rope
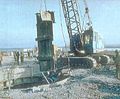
{"x": 81, "y": 16}
{"x": 45, "y": 5}
{"x": 41, "y": 5}
{"x": 63, "y": 35}
{"x": 87, "y": 14}
{"x": 83, "y": 24}
{"x": 62, "y": 24}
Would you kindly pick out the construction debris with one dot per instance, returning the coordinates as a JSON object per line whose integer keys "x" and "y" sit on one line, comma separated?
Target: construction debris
{"x": 82, "y": 84}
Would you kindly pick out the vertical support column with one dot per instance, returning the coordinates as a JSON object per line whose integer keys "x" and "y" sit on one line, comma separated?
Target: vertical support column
{"x": 44, "y": 38}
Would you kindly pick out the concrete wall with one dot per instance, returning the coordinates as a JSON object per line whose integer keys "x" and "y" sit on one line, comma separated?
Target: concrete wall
{"x": 8, "y": 74}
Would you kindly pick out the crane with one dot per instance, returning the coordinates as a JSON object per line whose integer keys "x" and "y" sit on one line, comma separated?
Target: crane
{"x": 81, "y": 39}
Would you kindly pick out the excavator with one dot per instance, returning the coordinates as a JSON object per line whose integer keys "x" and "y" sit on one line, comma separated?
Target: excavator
{"x": 86, "y": 45}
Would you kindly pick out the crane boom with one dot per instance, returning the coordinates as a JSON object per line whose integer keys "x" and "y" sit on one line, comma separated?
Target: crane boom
{"x": 72, "y": 19}
{"x": 71, "y": 16}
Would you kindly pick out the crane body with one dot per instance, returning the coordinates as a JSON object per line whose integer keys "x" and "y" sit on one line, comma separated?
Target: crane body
{"x": 79, "y": 39}
{"x": 82, "y": 39}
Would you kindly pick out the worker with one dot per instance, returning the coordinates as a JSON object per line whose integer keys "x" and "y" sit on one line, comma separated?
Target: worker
{"x": 28, "y": 52}
{"x": 17, "y": 56}
{"x": 117, "y": 63}
{"x": 14, "y": 53}
{"x": 22, "y": 57}
{"x": 116, "y": 53}
{"x": 1, "y": 58}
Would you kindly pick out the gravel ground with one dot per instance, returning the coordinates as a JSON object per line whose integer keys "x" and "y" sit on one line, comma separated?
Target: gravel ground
{"x": 82, "y": 84}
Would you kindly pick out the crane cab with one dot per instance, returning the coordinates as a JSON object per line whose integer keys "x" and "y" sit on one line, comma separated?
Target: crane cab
{"x": 93, "y": 42}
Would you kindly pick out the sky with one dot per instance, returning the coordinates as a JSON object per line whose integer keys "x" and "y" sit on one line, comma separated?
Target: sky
{"x": 18, "y": 21}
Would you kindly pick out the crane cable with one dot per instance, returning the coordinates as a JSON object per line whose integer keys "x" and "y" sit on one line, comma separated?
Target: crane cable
{"x": 62, "y": 25}
{"x": 81, "y": 16}
{"x": 68, "y": 65}
{"x": 43, "y": 3}
{"x": 40, "y": 5}
{"x": 87, "y": 13}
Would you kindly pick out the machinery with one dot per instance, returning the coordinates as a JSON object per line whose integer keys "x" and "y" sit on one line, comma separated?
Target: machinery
{"x": 84, "y": 42}
{"x": 85, "y": 45}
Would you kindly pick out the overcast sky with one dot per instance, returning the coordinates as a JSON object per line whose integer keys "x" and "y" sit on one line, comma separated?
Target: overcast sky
{"x": 18, "y": 21}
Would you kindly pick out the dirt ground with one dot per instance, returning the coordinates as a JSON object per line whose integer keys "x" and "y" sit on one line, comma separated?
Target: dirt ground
{"x": 82, "y": 84}
{"x": 100, "y": 83}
